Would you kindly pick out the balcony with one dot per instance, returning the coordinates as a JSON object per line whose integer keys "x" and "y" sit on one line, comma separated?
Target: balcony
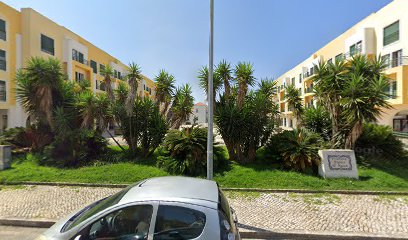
{"x": 100, "y": 85}
{"x": 3, "y": 95}
{"x": 350, "y": 54}
{"x": 83, "y": 61}
{"x": 309, "y": 90}
{"x": 396, "y": 62}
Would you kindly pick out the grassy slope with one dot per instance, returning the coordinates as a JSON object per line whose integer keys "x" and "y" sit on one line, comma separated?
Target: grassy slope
{"x": 387, "y": 176}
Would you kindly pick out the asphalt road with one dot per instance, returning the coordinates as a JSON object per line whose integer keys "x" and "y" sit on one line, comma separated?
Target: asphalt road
{"x": 19, "y": 233}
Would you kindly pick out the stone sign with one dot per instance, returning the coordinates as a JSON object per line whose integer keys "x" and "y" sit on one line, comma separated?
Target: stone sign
{"x": 338, "y": 163}
{"x": 5, "y": 157}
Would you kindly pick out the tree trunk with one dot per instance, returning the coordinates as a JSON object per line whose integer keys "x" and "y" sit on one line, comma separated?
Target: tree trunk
{"x": 110, "y": 134}
{"x": 353, "y": 135}
{"x": 251, "y": 153}
{"x": 227, "y": 88}
{"x": 231, "y": 151}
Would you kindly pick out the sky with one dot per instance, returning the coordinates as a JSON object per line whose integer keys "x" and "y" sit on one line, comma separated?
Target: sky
{"x": 274, "y": 35}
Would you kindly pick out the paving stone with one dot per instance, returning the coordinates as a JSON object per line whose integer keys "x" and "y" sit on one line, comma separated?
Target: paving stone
{"x": 277, "y": 211}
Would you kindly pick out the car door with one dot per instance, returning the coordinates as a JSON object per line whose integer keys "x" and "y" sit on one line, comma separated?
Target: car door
{"x": 185, "y": 221}
{"x": 132, "y": 221}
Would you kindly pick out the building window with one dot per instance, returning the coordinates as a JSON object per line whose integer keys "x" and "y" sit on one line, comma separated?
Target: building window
{"x": 101, "y": 69}
{"x": 115, "y": 73}
{"x": 339, "y": 57}
{"x": 300, "y": 78}
{"x": 330, "y": 61}
{"x": 3, "y": 96}
{"x": 391, "y": 33}
{"x": 79, "y": 76}
{"x": 396, "y": 58}
{"x": 387, "y": 60}
{"x": 293, "y": 81}
{"x": 3, "y": 29}
{"x": 3, "y": 63}
{"x": 47, "y": 44}
{"x": 119, "y": 75}
{"x": 355, "y": 48}
{"x": 392, "y": 89}
{"x": 78, "y": 56}
{"x": 94, "y": 66}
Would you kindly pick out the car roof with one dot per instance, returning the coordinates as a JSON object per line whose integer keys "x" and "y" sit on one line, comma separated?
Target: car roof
{"x": 170, "y": 188}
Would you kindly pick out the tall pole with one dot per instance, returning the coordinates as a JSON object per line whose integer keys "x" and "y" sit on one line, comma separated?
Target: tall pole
{"x": 210, "y": 97}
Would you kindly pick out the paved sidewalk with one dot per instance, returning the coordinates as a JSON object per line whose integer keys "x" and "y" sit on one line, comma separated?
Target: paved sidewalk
{"x": 358, "y": 214}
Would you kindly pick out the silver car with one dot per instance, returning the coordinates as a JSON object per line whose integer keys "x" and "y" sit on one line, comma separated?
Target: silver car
{"x": 157, "y": 208}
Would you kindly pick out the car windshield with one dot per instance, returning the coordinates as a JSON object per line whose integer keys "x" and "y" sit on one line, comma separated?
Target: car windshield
{"x": 95, "y": 208}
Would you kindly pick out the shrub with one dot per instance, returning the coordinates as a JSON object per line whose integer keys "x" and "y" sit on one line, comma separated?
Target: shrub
{"x": 317, "y": 119}
{"x": 75, "y": 148}
{"x": 184, "y": 152}
{"x": 298, "y": 149}
{"x": 379, "y": 140}
{"x": 33, "y": 137}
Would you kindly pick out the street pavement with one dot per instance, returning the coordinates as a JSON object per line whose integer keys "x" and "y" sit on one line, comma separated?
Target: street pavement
{"x": 19, "y": 233}
{"x": 280, "y": 212}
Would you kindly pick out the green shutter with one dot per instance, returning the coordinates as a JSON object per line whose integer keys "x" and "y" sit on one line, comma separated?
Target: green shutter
{"x": 3, "y": 64}
{"x": 2, "y": 29}
{"x": 47, "y": 44}
{"x": 391, "y": 33}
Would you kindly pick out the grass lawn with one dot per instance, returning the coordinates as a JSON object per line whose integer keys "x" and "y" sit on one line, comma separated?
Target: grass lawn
{"x": 382, "y": 176}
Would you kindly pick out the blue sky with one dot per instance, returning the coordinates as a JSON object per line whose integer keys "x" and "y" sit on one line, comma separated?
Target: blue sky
{"x": 274, "y": 35}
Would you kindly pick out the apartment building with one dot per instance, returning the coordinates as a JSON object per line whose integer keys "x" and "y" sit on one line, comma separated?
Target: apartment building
{"x": 27, "y": 33}
{"x": 199, "y": 114}
{"x": 384, "y": 33}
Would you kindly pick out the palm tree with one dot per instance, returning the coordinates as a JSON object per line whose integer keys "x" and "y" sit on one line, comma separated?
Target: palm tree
{"x": 203, "y": 75}
{"x": 300, "y": 149}
{"x": 87, "y": 109}
{"x": 244, "y": 77}
{"x": 329, "y": 80}
{"x": 134, "y": 76}
{"x": 362, "y": 102}
{"x": 38, "y": 88}
{"x": 182, "y": 105}
{"x": 224, "y": 72}
{"x": 164, "y": 89}
{"x": 294, "y": 102}
{"x": 107, "y": 74}
{"x": 267, "y": 86}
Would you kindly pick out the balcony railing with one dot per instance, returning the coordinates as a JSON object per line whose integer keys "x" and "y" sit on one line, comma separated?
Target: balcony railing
{"x": 100, "y": 85}
{"x": 83, "y": 61}
{"x": 3, "y": 95}
{"x": 396, "y": 62}
{"x": 356, "y": 51}
{"x": 309, "y": 90}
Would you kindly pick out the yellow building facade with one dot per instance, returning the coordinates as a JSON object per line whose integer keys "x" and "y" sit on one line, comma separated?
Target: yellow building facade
{"x": 27, "y": 33}
{"x": 383, "y": 33}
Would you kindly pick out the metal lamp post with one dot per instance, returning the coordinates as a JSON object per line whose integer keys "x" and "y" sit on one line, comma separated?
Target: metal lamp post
{"x": 210, "y": 97}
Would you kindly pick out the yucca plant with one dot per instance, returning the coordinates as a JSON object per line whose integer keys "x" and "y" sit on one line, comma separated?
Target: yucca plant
{"x": 186, "y": 152}
{"x": 294, "y": 101}
{"x": 164, "y": 90}
{"x": 300, "y": 149}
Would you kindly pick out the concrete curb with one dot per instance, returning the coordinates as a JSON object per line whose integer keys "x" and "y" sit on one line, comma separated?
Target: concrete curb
{"x": 17, "y": 222}
{"x": 108, "y": 185}
{"x": 245, "y": 234}
{"x": 309, "y": 235}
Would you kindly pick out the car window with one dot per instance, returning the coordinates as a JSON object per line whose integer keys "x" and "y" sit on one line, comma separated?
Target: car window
{"x": 175, "y": 222}
{"x": 95, "y": 208}
{"x": 127, "y": 223}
